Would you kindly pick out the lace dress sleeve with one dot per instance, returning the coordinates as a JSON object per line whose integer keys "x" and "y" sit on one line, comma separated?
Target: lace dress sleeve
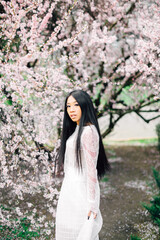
{"x": 90, "y": 146}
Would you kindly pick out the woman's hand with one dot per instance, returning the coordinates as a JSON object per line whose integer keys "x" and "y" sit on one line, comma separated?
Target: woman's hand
{"x": 89, "y": 214}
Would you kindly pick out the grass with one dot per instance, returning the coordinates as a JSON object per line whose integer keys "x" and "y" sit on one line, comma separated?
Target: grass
{"x": 147, "y": 141}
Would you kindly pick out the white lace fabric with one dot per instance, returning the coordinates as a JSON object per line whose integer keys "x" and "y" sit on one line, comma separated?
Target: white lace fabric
{"x": 80, "y": 191}
{"x": 90, "y": 147}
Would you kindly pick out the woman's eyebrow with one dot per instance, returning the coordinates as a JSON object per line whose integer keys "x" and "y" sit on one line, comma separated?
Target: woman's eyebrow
{"x": 72, "y": 102}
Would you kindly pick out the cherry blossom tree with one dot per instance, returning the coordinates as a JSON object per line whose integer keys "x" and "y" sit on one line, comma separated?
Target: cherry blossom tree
{"x": 108, "y": 48}
{"x": 32, "y": 86}
{"x": 119, "y": 57}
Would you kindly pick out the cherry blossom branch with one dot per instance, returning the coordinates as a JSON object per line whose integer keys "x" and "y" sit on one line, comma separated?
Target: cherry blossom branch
{"x": 146, "y": 120}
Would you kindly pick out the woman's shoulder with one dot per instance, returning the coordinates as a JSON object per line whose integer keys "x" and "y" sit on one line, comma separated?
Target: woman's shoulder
{"x": 90, "y": 130}
{"x": 90, "y": 136}
{"x": 89, "y": 127}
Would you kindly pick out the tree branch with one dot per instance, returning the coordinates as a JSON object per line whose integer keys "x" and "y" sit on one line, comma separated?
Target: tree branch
{"x": 144, "y": 119}
{"x": 88, "y": 9}
{"x": 130, "y": 10}
{"x": 151, "y": 102}
{"x": 156, "y": 110}
{"x": 126, "y": 83}
{"x": 111, "y": 125}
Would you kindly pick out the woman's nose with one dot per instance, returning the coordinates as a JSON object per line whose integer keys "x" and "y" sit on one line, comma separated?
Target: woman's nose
{"x": 72, "y": 108}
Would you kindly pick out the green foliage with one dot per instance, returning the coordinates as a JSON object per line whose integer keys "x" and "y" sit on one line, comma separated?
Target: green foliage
{"x": 104, "y": 100}
{"x": 8, "y": 102}
{"x": 128, "y": 96}
{"x": 105, "y": 179}
{"x": 135, "y": 238}
{"x": 18, "y": 228}
{"x": 154, "y": 207}
{"x": 21, "y": 231}
{"x": 158, "y": 134}
{"x": 156, "y": 175}
{"x": 158, "y": 129}
{"x": 98, "y": 91}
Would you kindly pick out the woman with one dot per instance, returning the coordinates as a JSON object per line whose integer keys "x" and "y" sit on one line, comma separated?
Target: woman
{"x": 78, "y": 216}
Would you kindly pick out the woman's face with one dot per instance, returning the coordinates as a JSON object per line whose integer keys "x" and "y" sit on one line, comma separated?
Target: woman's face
{"x": 73, "y": 109}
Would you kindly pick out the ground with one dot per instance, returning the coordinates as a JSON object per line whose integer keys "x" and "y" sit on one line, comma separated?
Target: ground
{"x": 126, "y": 188}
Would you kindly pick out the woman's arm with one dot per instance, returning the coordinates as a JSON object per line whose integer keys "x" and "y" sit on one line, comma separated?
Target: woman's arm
{"x": 90, "y": 146}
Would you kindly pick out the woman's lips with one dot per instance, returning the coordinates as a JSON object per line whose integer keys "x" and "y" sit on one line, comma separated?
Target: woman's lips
{"x": 72, "y": 116}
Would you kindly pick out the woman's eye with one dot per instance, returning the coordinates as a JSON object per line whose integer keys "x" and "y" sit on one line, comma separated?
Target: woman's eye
{"x": 76, "y": 104}
{"x": 68, "y": 106}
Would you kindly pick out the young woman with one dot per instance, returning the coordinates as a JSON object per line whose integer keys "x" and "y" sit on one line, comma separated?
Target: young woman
{"x": 78, "y": 216}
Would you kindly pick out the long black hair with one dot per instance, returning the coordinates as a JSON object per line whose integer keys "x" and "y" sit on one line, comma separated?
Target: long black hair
{"x": 88, "y": 117}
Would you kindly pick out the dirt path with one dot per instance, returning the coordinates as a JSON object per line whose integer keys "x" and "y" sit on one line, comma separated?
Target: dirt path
{"x": 126, "y": 188}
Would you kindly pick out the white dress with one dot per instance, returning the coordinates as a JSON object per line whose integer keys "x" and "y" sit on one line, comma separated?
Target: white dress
{"x": 80, "y": 191}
